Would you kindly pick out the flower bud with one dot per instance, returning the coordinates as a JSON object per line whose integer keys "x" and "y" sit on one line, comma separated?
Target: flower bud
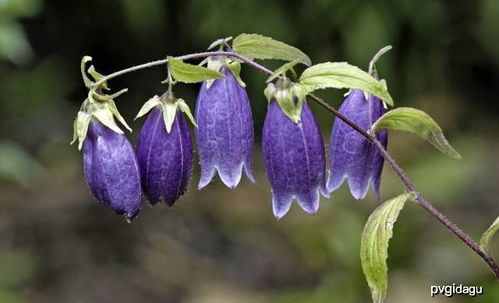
{"x": 165, "y": 158}
{"x": 225, "y": 130}
{"x": 294, "y": 159}
{"x": 111, "y": 169}
{"x": 352, "y": 157}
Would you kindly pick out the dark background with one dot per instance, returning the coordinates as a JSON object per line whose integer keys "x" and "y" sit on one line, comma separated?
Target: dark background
{"x": 57, "y": 244}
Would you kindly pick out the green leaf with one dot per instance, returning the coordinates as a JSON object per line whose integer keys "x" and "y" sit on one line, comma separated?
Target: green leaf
{"x": 374, "y": 244}
{"x": 417, "y": 122}
{"x": 487, "y": 236}
{"x": 105, "y": 116}
{"x": 260, "y": 47}
{"x": 189, "y": 73}
{"x": 343, "y": 75}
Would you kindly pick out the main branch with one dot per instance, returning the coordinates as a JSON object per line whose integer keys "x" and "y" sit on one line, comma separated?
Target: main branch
{"x": 421, "y": 201}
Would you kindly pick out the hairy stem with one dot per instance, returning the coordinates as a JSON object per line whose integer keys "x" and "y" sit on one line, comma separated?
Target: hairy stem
{"x": 420, "y": 200}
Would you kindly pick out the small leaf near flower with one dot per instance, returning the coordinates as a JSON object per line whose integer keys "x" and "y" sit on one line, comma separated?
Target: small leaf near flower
{"x": 343, "y": 75}
{"x": 189, "y": 73}
{"x": 186, "y": 110}
{"x": 374, "y": 244}
{"x": 487, "y": 236}
{"x": 417, "y": 122}
{"x": 260, "y": 47}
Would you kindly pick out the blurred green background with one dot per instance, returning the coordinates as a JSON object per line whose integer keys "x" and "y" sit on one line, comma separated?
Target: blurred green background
{"x": 57, "y": 244}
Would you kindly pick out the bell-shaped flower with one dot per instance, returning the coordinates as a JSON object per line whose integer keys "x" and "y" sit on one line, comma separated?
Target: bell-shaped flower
{"x": 293, "y": 152}
{"x": 111, "y": 169}
{"x": 352, "y": 157}
{"x": 225, "y": 127}
{"x": 164, "y": 149}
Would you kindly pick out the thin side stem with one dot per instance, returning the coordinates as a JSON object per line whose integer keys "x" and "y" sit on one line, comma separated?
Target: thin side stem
{"x": 420, "y": 200}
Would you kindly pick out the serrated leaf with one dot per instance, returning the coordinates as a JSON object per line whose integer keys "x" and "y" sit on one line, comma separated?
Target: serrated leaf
{"x": 260, "y": 47}
{"x": 374, "y": 245}
{"x": 186, "y": 110}
{"x": 417, "y": 122}
{"x": 487, "y": 236}
{"x": 189, "y": 73}
{"x": 148, "y": 105}
{"x": 343, "y": 75}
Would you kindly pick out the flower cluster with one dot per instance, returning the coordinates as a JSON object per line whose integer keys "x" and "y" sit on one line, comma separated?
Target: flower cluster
{"x": 161, "y": 164}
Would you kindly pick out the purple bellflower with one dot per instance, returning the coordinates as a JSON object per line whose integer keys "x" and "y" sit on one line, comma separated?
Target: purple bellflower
{"x": 294, "y": 157}
{"x": 165, "y": 158}
{"x": 111, "y": 169}
{"x": 352, "y": 157}
{"x": 225, "y": 130}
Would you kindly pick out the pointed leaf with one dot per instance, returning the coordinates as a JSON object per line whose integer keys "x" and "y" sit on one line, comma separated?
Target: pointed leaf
{"x": 189, "y": 73}
{"x": 374, "y": 245}
{"x": 417, "y": 122}
{"x": 150, "y": 104}
{"x": 235, "y": 69}
{"x": 487, "y": 236}
{"x": 343, "y": 75}
{"x": 186, "y": 110}
{"x": 260, "y": 47}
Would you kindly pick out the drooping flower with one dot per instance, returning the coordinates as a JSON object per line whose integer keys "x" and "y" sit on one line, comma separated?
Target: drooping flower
{"x": 164, "y": 151}
{"x": 111, "y": 169}
{"x": 225, "y": 129}
{"x": 293, "y": 155}
{"x": 352, "y": 157}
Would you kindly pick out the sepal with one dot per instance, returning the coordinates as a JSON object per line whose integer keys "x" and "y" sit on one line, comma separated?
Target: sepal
{"x": 288, "y": 95}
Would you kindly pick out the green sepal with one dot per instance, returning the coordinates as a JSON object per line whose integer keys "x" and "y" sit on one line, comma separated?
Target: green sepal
{"x": 256, "y": 46}
{"x": 169, "y": 106}
{"x": 374, "y": 244}
{"x": 148, "y": 106}
{"x": 417, "y": 122}
{"x": 219, "y": 42}
{"x": 186, "y": 110}
{"x": 189, "y": 73}
{"x": 80, "y": 127}
{"x": 487, "y": 236}
{"x": 281, "y": 71}
{"x": 235, "y": 69}
{"x": 114, "y": 110}
{"x": 288, "y": 95}
{"x": 105, "y": 116}
{"x": 169, "y": 112}
{"x": 343, "y": 75}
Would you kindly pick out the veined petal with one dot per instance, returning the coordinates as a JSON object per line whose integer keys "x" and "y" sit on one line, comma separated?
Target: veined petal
{"x": 294, "y": 159}
{"x": 111, "y": 169}
{"x": 352, "y": 157}
{"x": 165, "y": 159}
{"x": 225, "y": 131}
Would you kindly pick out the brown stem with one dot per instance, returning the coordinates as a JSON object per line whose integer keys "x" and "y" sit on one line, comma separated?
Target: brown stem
{"x": 420, "y": 200}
